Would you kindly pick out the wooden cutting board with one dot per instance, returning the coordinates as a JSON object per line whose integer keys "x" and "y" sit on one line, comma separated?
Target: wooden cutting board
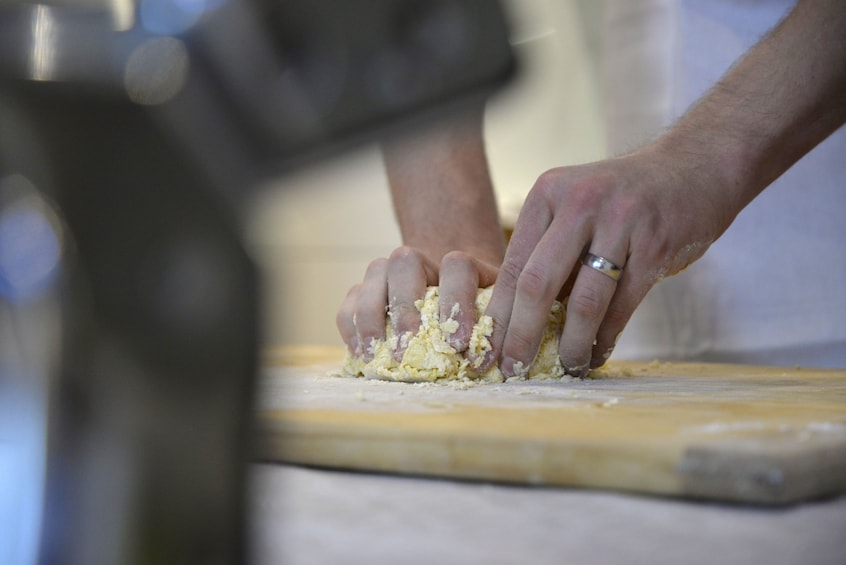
{"x": 726, "y": 432}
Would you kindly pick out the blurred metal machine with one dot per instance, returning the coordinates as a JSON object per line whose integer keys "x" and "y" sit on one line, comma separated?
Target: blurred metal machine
{"x": 131, "y": 132}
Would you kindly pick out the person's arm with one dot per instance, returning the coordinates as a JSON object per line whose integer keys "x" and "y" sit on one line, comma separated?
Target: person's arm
{"x": 655, "y": 211}
{"x": 446, "y": 209}
{"x": 776, "y": 104}
{"x": 442, "y": 191}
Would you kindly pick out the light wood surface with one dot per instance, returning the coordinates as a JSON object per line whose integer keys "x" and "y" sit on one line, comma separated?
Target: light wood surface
{"x": 726, "y": 432}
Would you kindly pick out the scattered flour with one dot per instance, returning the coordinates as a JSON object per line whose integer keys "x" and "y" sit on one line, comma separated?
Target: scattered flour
{"x": 429, "y": 357}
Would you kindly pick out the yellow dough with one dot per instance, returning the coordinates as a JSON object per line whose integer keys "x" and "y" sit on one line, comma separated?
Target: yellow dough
{"x": 429, "y": 357}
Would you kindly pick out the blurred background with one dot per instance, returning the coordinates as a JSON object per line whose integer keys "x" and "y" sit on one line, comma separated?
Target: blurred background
{"x": 122, "y": 177}
{"x": 131, "y": 135}
{"x": 313, "y": 232}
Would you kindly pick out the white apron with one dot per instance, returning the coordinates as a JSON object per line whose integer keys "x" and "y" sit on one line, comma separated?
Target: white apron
{"x": 772, "y": 289}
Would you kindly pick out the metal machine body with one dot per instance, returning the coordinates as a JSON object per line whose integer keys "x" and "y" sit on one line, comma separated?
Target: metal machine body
{"x": 131, "y": 133}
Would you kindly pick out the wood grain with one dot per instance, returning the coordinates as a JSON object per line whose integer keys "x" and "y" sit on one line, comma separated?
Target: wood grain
{"x": 750, "y": 434}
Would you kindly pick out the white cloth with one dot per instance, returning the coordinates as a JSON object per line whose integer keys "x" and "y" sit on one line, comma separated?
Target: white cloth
{"x": 772, "y": 289}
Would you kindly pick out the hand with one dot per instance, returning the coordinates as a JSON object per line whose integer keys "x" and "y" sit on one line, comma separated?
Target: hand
{"x": 649, "y": 213}
{"x": 404, "y": 277}
{"x": 655, "y": 211}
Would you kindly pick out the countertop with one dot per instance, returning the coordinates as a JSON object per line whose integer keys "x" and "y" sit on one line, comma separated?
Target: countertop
{"x": 305, "y": 515}
{"x": 313, "y": 516}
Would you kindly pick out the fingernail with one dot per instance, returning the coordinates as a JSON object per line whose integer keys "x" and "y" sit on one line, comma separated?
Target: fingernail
{"x": 480, "y": 363}
{"x": 514, "y": 368}
{"x": 578, "y": 371}
{"x": 458, "y": 340}
{"x": 401, "y": 345}
{"x": 368, "y": 353}
{"x": 595, "y": 363}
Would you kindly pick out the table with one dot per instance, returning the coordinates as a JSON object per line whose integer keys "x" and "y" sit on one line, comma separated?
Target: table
{"x": 306, "y": 515}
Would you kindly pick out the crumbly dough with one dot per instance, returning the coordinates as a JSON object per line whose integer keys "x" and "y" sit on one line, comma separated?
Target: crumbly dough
{"x": 429, "y": 357}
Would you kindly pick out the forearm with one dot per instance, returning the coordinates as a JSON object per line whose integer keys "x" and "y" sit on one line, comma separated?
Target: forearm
{"x": 782, "y": 99}
{"x": 442, "y": 191}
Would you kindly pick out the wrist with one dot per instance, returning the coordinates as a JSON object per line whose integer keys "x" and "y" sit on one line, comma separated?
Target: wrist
{"x": 718, "y": 164}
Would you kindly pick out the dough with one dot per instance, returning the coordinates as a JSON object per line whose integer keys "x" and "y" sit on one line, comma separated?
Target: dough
{"x": 429, "y": 357}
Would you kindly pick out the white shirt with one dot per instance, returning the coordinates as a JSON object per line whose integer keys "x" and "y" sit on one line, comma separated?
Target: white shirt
{"x": 772, "y": 289}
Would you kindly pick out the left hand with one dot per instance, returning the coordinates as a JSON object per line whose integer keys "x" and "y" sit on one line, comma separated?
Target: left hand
{"x": 393, "y": 285}
{"x": 649, "y": 213}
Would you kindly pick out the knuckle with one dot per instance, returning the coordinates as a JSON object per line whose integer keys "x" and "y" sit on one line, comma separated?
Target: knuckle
{"x": 551, "y": 182}
{"x": 547, "y": 183}
{"x": 369, "y": 322}
{"x": 626, "y": 208}
{"x": 343, "y": 320}
{"x": 404, "y": 317}
{"x": 456, "y": 260}
{"x": 616, "y": 315}
{"x": 404, "y": 254}
{"x": 353, "y": 292}
{"x": 519, "y": 345}
{"x": 351, "y": 298}
{"x": 345, "y": 317}
{"x": 533, "y": 285}
{"x": 376, "y": 266}
{"x": 586, "y": 304}
{"x": 509, "y": 274}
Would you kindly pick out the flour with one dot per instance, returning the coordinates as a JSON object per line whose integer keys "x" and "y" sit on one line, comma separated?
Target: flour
{"x": 429, "y": 356}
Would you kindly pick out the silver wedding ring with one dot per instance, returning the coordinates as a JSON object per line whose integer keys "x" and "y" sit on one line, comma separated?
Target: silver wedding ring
{"x": 602, "y": 265}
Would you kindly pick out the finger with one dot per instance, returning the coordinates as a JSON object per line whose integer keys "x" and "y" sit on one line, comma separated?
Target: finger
{"x": 461, "y": 275}
{"x": 370, "y": 308}
{"x": 528, "y": 231}
{"x": 459, "y": 283}
{"x": 345, "y": 319}
{"x": 631, "y": 291}
{"x": 586, "y": 307}
{"x": 409, "y": 273}
{"x": 547, "y": 270}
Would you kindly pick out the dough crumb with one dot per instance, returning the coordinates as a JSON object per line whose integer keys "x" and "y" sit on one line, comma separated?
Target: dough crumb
{"x": 429, "y": 357}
